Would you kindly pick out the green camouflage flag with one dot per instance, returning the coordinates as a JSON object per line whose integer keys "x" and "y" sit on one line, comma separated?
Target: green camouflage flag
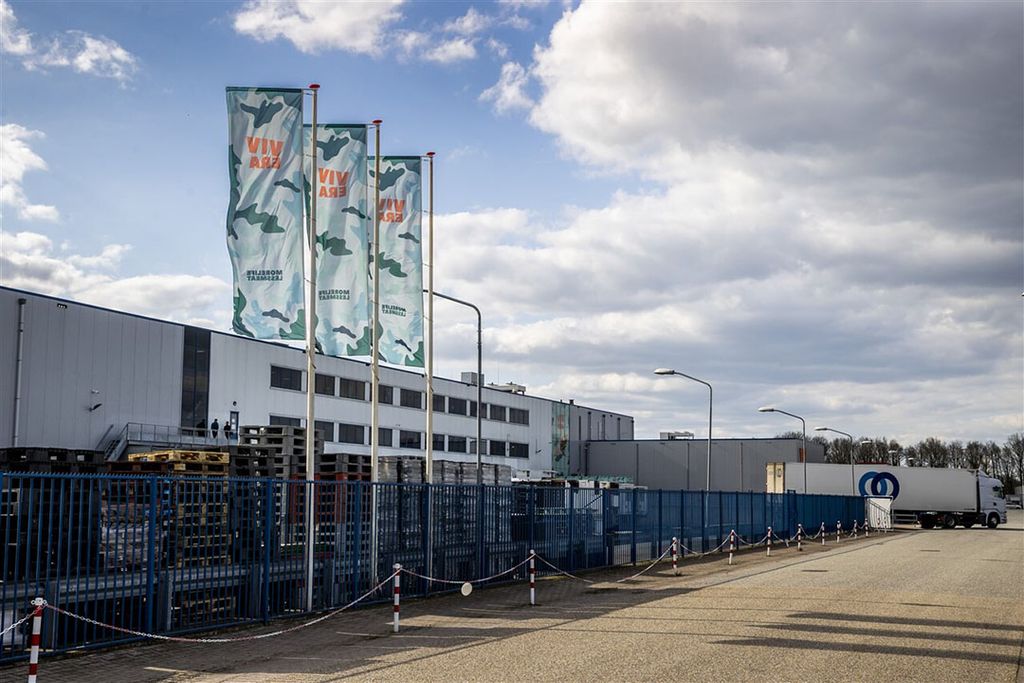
{"x": 400, "y": 261}
{"x": 265, "y": 226}
{"x": 342, "y": 220}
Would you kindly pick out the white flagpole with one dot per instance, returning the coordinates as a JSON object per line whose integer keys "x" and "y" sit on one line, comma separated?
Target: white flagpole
{"x": 375, "y": 364}
{"x": 430, "y": 331}
{"x": 310, "y": 364}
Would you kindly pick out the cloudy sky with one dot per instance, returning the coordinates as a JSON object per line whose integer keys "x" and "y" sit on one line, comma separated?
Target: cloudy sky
{"x": 817, "y": 206}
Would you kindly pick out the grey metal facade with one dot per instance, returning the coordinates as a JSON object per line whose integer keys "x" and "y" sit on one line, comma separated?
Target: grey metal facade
{"x": 89, "y": 371}
{"x": 736, "y": 464}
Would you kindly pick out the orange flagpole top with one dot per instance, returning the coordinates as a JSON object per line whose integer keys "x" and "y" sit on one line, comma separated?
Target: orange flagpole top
{"x": 430, "y": 154}
{"x": 314, "y": 86}
{"x": 377, "y": 122}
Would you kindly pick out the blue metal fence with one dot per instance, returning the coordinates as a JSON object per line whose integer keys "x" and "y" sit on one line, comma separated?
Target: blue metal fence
{"x": 179, "y": 554}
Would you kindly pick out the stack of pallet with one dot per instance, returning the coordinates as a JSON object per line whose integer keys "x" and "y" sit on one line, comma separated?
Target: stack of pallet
{"x": 447, "y": 472}
{"x": 56, "y": 460}
{"x": 272, "y": 451}
{"x": 126, "y": 515}
{"x": 198, "y": 463}
{"x": 354, "y": 466}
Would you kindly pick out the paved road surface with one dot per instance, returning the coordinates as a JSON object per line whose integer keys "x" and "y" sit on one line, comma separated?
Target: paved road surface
{"x": 921, "y": 606}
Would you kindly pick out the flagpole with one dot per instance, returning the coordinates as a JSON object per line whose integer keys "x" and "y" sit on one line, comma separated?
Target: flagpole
{"x": 375, "y": 364}
{"x": 310, "y": 364}
{"x": 430, "y": 331}
{"x": 430, "y": 377}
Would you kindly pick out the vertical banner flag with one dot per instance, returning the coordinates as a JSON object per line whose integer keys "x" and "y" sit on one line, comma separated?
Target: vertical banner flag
{"x": 400, "y": 261}
{"x": 265, "y": 226}
{"x": 342, "y": 225}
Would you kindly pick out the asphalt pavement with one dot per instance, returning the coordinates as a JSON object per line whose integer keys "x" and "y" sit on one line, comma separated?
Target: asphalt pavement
{"x": 939, "y": 605}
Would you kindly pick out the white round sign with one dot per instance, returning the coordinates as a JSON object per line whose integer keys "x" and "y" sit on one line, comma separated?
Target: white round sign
{"x": 467, "y": 588}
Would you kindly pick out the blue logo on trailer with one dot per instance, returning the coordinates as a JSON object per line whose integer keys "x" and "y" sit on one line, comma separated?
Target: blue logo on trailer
{"x": 878, "y": 484}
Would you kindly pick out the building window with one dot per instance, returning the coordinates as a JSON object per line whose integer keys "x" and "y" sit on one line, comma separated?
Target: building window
{"x": 352, "y": 388}
{"x": 384, "y": 436}
{"x": 351, "y": 433}
{"x": 518, "y": 450}
{"x": 457, "y": 406}
{"x": 281, "y": 421}
{"x": 497, "y": 412}
{"x": 456, "y": 444}
{"x": 285, "y": 378}
{"x": 618, "y": 420}
{"x": 387, "y": 394}
{"x": 496, "y": 447}
{"x": 518, "y": 416}
{"x": 410, "y": 398}
{"x": 472, "y": 409}
{"x": 195, "y": 378}
{"x": 438, "y": 403}
{"x": 438, "y": 442}
{"x": 472, "y": 446}
{"x": 324, "y": 384}
{"x": 409, "y": 439}
{"x": 326, "y": 429}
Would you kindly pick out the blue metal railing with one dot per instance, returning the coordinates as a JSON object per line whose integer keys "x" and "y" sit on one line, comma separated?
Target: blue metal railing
{"x": 164, "y": 554}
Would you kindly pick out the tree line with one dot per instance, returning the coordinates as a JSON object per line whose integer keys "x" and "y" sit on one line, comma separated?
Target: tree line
{"x": 1004, "y": 461}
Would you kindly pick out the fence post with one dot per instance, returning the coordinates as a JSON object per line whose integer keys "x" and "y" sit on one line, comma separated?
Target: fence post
{"x": 661, "y": 531}
{"x": 704, "y": 520}
{"x": 268, "y": 542}
{"x": 37, "y": 629}
{"x": 531, "y": 510}
{"x": 682, "y": 517}
{"x": 800, "y": 537}
{"x": 675, "y": 550}
{"x": 839, "y": 529}
{"x": 769, "y": 542}
{"x": 572, "y": 514}
{"x": 151, "y": 553}
{"x": 398, "y": 590}
{"x": 732, "y": 544}
{"x": 533, "y": 578}
{"x": 721, "y": 522}
{"x": 482, "y": 571}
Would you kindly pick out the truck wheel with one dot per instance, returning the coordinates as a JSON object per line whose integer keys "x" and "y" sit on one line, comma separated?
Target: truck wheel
{"x": 993, "y": 521}
{"x": 968, "y": 521}
{"x": 949, "y": 521}
{"x": 927, "y": 522}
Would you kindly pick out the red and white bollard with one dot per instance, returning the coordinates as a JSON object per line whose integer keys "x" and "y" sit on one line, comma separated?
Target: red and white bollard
{"x": 37, "y": 629}
{"x": 398, "y": 592}
{"x": 675, "y": 554}
{"x": 800, "y": 537}
{"x": 822, "y": 533}
{"x": 867, "y": 529}
{"x": 855, "y": 528}
{"x": 769, "y": 542}
{"x": 732, "y": 544}
{"x": 533, "y": 578}
{"x": 839, "y": 529}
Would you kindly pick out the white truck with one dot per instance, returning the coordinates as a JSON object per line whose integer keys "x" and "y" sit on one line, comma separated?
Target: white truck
{"x": 931, "y": 496}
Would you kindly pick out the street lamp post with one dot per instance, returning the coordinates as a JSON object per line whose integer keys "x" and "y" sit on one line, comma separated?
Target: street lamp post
{"x": 853, "y": 474}
{"x": 803, "y": 423}
{"x": 668, "y": 371}
{"x": 479, "y": 381}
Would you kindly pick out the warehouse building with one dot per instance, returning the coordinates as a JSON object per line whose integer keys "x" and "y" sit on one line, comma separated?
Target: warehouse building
{"x": 83, "y": 377}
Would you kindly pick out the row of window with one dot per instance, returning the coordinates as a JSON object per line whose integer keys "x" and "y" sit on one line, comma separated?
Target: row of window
{"x": 329, "y": 385}
{"x": 357, "y": 434}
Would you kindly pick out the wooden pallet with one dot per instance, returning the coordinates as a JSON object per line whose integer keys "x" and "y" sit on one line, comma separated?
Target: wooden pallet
{"x": 181, "y": 456}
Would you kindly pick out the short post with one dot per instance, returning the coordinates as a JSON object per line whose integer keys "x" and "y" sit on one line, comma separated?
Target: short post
{"x": 822, "y": 533}
{"x": 855, "y": 528}
{"x": 675, "y": 555}
{"x": 398, "y": 591}
{"x": 533, "y": 578}
{"x": 769, "y": 554}
{"x": 37, "y": 629}
{"x": 732, "y": 544}
{"x": 839, "y": 529}
{"x": 867, "y": 529}
{"x": 800, "y": 538}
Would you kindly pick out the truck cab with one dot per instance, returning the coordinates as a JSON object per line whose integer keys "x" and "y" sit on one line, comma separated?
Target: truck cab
{"x": 991, "y": 503}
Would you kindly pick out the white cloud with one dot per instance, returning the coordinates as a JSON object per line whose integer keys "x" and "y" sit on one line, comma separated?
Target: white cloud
{"x": 30, "y": 261}
{"x": 315, "y": 26}
{"x": 13, "y": 40}
{"x": 86, "y": 54}
{"x": 449, "y": 51}
{"x": 469, "y": 24}
{"x": 510, "y": 91}
{"x": 497, "y": 47}
{"x": 76, "y": 50}
{"x": 16, "y": 159}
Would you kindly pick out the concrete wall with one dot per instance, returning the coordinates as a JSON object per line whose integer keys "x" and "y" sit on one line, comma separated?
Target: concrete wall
{"x": 736, "y": 464}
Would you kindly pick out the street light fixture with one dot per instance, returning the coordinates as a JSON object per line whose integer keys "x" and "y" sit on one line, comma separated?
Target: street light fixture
{"x": 853, "y": 474}
{"x": 803, "y": 423}
{"x": 669, "y": 371}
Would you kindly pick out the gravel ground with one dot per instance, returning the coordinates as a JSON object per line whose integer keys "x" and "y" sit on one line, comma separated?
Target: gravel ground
{"x": 913, "y": 606}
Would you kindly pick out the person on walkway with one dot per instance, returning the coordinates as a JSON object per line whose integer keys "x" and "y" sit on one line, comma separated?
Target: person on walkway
{"x": 215, "y": 427}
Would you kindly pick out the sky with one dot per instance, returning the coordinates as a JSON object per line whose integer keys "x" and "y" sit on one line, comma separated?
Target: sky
{"x": 816, "y": 206}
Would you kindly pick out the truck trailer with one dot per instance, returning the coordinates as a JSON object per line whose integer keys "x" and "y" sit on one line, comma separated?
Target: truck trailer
{"x": 930, "y": 496}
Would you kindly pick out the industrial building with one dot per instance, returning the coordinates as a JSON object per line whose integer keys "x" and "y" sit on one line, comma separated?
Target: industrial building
{"x": 79, "y": 376}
